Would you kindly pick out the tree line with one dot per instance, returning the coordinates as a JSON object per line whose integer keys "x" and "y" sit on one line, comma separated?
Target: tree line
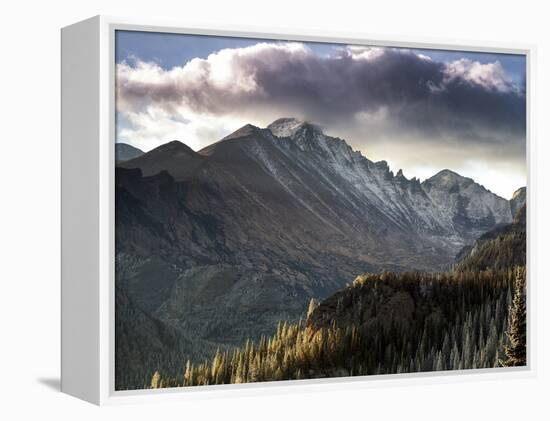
{"x": 384, "y": 323}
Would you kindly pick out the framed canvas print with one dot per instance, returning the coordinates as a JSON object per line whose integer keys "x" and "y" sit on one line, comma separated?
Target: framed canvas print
{"x": 244, "y": 210}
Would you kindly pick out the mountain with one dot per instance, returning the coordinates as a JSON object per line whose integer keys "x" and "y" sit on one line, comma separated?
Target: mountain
{"x": 223, "y": 243}
{"x": 124, "y": 152}
{"x": 466, "y": 205}
{"x": 518, "y": 200}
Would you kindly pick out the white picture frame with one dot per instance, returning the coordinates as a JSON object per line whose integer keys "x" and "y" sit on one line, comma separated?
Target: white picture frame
{"x": 88, "y": 162}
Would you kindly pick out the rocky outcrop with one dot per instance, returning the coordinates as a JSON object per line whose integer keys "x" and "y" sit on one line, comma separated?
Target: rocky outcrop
{"x": 518, "y": 200}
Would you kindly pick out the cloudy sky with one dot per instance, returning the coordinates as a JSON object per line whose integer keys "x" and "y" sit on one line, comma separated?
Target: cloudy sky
{"x": 420, "y": 110}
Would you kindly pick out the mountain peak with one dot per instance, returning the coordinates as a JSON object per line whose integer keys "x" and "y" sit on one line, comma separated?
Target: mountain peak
{"x": 449, "y": 181}
{"x": 246, "y": 130}
{"x": 447, "y": 178}
{"x": 174, "y": 157}
{"x": 289, "y": 126}
{"x": 174, "y": 147}
{"x": 125, "y": 152}
{"x": 447, "y": 174}
{"x": 174, "y": 144}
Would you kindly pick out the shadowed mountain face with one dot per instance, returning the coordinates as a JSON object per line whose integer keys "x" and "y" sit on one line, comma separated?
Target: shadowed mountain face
{"x": 223, "y": 243}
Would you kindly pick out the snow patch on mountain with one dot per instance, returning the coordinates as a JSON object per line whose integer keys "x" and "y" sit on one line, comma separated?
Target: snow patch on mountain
{"x": 285, "y": 127}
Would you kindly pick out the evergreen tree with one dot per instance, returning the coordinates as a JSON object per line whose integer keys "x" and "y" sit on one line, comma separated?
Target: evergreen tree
{"x": 516, "y": 350}
{"x": 312, "y": 306}
{"x": 155, "y": 380}
{"x": 459, "y": 322}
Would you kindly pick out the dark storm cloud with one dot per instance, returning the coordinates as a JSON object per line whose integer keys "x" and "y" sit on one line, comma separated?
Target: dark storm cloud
{"x": 463, "y": 100}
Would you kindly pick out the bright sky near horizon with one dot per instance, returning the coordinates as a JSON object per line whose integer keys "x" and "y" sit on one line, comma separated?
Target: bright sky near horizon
{"x": 420, "y": 110}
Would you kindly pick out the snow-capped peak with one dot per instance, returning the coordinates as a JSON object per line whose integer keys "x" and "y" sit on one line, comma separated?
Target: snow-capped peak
{"x": 288, "y": 127}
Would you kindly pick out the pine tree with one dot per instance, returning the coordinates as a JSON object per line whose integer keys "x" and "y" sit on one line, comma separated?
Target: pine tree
{"x": 188, "y": 375}
{"x": 439, "y": 364}
{"x": 516, "y": 352}
{"x": 155, "y": 380}
{"x": 313, "y": 304}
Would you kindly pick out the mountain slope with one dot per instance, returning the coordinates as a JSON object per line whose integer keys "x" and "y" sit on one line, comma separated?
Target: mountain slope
{"x": 500, "y": 248}
{"x": 124, "y": 152}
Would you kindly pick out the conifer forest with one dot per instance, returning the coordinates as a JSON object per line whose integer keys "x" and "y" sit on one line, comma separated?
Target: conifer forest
{"x": 384, "y": 324}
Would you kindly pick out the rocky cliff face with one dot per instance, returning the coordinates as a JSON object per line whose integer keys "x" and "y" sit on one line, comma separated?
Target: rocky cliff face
{"x": 223, "y": 243}
{"x": 464, "y": 206}
{"x": 519, "y": 198}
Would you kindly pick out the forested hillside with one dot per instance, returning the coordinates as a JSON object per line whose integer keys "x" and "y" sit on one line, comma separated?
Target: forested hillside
{"x": 382, "y": 323}
{"x": 500, "y": 248}
{"x": 144, "y": 342}
{"x": 471, "y": 317}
